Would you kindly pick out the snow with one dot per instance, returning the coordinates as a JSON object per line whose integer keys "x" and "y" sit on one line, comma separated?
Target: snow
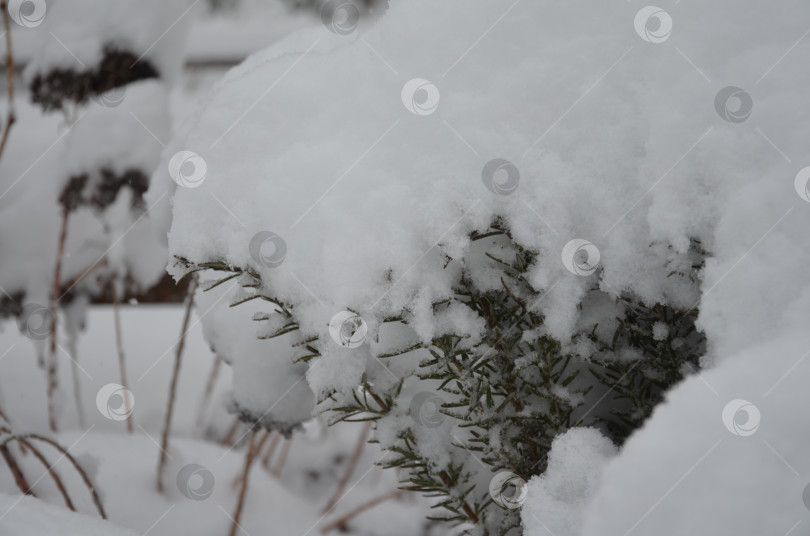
{"x": 31, "y": 517}
{"x": 264, "y": 382}
{"x": 101, "y": 135}
{"x": 129, "y": 129}
{"x": 232, "y": 34}
{"x": 149, "y": 363}
{"x": 123, "y": 466}
{"x": 139, "y": 26}
{"x": 624, "y": 136}
{"x": 133, "y": 147}
{"x": 691, "y": 470}
{"x": 43, "y": 150}
{"x": 607, "y": 137}
{"x": 556, "y": 498}
{"x": 406, "y": 171}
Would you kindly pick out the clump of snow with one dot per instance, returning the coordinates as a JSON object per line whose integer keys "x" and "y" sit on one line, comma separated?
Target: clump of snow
{"x": 726, "y": 454}
{"x": 556, "y": 498}
{"x": 368, "y": 155}
{"x": 140, "y": 27}
{"x": 266, "y": 384}
{"x": 310, "y": 140}
{"x": 44, "y": 151}
{"x": 115, "y": 136}
{"x": 128, "y": 144}
{"x": 660, "y": 331}
{"x": 230, "y": 33}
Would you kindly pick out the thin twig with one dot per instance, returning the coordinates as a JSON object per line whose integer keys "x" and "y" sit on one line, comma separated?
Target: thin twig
{"x": 74, "y": 370}
{"x": 258, "y": 450}
{"x": 249, "y": 457}
{"x": 209, "y": 389}
{"x": 360, "y": 509}
{"x": 375, "y": 476}
{"x": 100, "y": 263}
{"x": 70, "y": 458}
{"x": 51, "y": 471}
{"x": 173, "y": 385}
{"x": 16, "y": 472}
{"x": 10, "y": 116}
{"x": 54, "y": 312}
{"x": 358, "y": 450}
{"x": 229, "y": 437}
{"x": 271, "y": 449}
{"x": 282, "y": 457}
{"x": 464, "y": 506}
{"x": 119, "y": 343}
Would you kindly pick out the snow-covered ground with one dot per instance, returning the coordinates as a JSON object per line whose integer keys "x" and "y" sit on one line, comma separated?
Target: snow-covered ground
{"x": 373, "y": 155}
{"x": 124, "y": 466}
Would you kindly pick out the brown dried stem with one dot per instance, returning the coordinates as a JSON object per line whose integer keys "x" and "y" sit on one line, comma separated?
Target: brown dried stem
{"x": 173, "y": 385}
{"x": 66, "y": 454}
{"x": 209, "y": 389}
{"x": 54, "y": 312}
{"x": 358, "y": 450}
{"x": 360, "y": 509}
{"x": 271, "y": 449}
{"x": 16, "y": 472}
{"x": 77, "y": 393}
{"x": 51, "y": 471}
{"x": 250, "y": 455}
{"x": 229, "y": 437}
{"x": 119, "y": 343}
{"x": 10, "y": 117}
{"x": 258, "y": 450}
{"x": 282, "y": 457}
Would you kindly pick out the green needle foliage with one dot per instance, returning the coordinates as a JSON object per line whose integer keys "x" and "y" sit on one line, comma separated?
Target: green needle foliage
{"x": 502, "y": 395}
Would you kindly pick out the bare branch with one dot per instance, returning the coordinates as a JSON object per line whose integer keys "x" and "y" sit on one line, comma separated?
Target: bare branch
{"x": 173, "y": 385}
{"x": 358, "y": 450}
{"x": 360, "y": 509}
{"x": 10, "y": 117}
{"x": 51, "y": 471}
{"x": 66, "y": 454}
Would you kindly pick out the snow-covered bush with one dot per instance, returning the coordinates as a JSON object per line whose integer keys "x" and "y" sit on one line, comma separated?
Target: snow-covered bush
{"x": 482, "y": 227}
{"x": 87, "y": 195}
{"x": 105, "y": 82}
